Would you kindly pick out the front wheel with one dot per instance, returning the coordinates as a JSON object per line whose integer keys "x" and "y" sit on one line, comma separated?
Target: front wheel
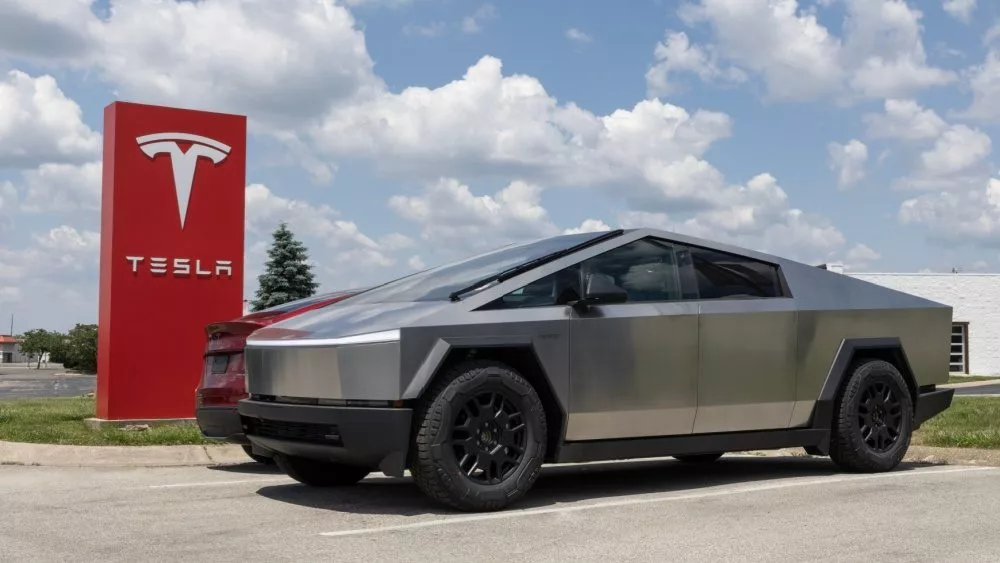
{"x": 873, "y": 419}
{"x": 318, "y": 473}
{"x": 480, "y": 437}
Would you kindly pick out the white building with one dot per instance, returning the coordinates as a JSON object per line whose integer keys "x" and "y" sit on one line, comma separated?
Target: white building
{"x": 10, "y": 350}
{"x": 975, "y": 301}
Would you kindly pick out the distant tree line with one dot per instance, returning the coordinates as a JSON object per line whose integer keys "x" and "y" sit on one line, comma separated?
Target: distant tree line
{"x": 76, "y": 349}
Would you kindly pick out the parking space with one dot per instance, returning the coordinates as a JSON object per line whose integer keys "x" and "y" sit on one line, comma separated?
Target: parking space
{"x": 18, "y": 382}
{"x": 742, "y": 508}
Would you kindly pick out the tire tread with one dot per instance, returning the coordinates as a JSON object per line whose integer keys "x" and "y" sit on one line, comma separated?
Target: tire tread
{"x": 846, "y": 448}
{"x": 438, "y": 483}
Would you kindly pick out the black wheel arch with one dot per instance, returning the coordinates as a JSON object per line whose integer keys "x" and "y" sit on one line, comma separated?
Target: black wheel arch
{"x": 889, "y": 349}
{"x": 519, "y": 355}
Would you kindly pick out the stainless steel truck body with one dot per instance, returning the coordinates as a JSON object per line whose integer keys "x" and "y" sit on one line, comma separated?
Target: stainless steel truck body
{"x": 595, "y": 346}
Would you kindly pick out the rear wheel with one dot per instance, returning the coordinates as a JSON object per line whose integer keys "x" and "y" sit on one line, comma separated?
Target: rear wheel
{"x": 258, "y": 458}
{"x": 319, "y": 473}
{"x": 698, "y": 458}
{"x": 873, "y": 419}
{"x": 480, "y": 437}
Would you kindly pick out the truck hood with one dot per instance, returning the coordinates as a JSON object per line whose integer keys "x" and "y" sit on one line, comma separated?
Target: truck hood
{"x": 345, "y": 320}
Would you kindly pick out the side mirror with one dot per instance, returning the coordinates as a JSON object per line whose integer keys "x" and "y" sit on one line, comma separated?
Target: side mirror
{"x": 601, "y": 290}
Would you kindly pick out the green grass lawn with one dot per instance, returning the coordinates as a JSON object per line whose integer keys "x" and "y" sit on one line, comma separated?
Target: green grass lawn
{"x": 970, "y": 422}
{"x": 970, "y": 378}
{"x": 60, "y": 421}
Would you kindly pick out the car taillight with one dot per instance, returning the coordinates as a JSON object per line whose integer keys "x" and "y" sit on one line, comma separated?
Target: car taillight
{"x": 223, "y": 380}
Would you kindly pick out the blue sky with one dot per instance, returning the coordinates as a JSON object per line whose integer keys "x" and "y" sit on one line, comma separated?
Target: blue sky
{"x": 397, "y": 134}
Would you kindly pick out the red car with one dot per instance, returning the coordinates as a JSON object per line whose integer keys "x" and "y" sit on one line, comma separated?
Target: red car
{"x": 222, "y": 381}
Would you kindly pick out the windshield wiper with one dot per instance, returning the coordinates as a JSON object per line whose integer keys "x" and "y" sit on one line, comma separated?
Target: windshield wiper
{"x": 521, "y": 268}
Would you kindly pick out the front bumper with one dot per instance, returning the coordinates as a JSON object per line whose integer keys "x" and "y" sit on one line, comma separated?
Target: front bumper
{"x": 377, "y": 438}
{"x": 221, "y": 423}
{"x": 930, "y": 404}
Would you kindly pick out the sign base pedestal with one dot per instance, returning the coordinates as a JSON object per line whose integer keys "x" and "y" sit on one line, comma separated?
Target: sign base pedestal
{"x": 99, "y": 423}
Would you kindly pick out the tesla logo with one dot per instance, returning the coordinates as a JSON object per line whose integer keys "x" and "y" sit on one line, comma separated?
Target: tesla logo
{"x": 183, "y": 163}
{"x": 181, "y": 266}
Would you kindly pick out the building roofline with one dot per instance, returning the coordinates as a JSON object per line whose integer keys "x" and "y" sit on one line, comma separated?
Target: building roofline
{"x": 927, "y": 274}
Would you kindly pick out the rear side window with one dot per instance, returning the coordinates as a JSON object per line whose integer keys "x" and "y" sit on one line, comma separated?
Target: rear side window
{"x": 717, "y": 275}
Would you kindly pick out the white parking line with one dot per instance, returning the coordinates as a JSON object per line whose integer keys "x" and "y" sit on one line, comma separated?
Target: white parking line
{"x": 217, "y": 483}
{"x": 647, "y": 500}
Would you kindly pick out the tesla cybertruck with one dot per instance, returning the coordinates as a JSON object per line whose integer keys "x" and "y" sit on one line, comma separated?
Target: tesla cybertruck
{"x": 596, "y": 346}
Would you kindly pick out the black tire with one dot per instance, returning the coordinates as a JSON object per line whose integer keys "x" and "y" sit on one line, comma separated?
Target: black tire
{"x": 440, "y": 466}
{"x": 316, "y": 473}
{"x": 873, "y": 419}
{"x": 258, "y": 458}
{"x": 698, "y": 458}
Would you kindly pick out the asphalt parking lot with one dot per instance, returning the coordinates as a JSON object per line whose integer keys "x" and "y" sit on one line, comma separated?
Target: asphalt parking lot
{"x": 18, "y": 382}
{"x": 738, "y": 509}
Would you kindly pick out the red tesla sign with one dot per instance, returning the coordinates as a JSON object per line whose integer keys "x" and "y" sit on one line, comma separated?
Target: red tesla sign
{"x": 172, "y": 215}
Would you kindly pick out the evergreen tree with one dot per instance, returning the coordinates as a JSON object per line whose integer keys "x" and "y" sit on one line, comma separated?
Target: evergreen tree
{"x": 287, "y": 275}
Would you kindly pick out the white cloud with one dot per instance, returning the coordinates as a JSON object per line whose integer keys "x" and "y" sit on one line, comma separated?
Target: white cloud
{"x": 881, "y": 53}
{"x": 38, "y": 124}
{"x": 281, "y": 63}
{"x": 991, "y": 34}
{"x": 676, "y": 54}
{"x": 654, "y": 148}
{"x": 395, "y": 241}
{"x": 957, "y": 158}
{"x": 906, "y": 120}
{"x": 473, "y": 23}
{"x": 588, "y": 226}
{"x": 265, "y": 210}
{"x": 8, "y": 203}
{"x": 961, "y": 10}
{"x": 63, "y": 187}
{"x": 10, "y": 294}
{"x": 53, "y": 278}
{"x": 434, "y": 29}
{"x": 760, "y": 219}
{"x": 650, "y": 155}
{"x": 416, "y": 263}
{"x": 578, "y": 36}
{"x": 60, "y": 255}
{"x": 958, "y": 215}
{"x": 848, "y": 160}
{"x": 46, "y": 31}
{"x": 984, "y": 81}
{"x": 342, "y": 255}
{"x": 860, "y": 256}
{"x": 450, "y": 215}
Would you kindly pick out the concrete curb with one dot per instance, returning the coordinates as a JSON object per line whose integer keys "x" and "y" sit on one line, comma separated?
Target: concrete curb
{"x": 21, "y": 453}
{"x": 918, "y": 454}
{"x": 56, "y": 455}
{"x": 970, "y": 384}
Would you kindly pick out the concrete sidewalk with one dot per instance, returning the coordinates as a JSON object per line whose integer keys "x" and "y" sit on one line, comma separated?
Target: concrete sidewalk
{"x": 20, "y": 453}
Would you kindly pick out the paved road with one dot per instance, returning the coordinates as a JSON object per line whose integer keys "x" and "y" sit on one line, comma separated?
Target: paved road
{"x": 739, "y": 509}
{"x": 21, "y": 383}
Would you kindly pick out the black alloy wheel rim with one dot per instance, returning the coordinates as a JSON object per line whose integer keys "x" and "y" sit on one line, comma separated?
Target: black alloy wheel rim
{"x": 488, "y": 438}
{"x": 880, "y": 416}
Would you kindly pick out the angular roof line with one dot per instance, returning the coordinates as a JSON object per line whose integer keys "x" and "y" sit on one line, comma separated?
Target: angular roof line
{"x": 715, "y": 245}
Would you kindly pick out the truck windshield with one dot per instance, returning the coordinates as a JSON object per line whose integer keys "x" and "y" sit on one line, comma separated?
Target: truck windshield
{"x": 437, "y": 284}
